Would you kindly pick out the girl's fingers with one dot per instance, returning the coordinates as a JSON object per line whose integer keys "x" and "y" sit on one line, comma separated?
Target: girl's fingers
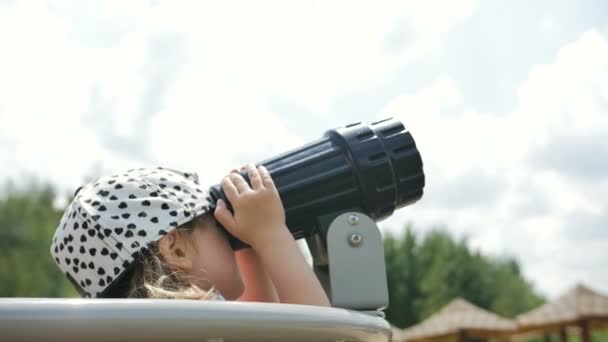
{"x": 254, "y": 177}
{"x": 266, "y": 178}
{"x": 223, "y": 215}
{"x": 230, "y": 190}
{"x": 239, "y": 182}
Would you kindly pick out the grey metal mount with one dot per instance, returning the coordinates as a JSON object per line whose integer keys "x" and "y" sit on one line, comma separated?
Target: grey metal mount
{"x": 348, "y": 259}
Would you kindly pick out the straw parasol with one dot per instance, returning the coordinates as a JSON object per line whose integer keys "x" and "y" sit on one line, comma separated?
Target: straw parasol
{"x": 462, "y": 320}
{"x": 581, "y": 306}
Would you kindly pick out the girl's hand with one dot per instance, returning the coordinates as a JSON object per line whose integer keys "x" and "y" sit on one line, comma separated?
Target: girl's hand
{"x": 259, "y": 220}
{"x": 258, "y": 210}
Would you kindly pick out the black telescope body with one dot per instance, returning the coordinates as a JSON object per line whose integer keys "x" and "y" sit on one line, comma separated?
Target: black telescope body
{"x": 372, "y": 169}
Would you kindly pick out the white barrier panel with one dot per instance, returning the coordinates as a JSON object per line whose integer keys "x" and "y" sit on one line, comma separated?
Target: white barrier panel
{"x": 50, "y": 319}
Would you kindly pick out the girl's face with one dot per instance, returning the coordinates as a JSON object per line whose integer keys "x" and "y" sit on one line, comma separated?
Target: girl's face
{"x": 214, "y": 261}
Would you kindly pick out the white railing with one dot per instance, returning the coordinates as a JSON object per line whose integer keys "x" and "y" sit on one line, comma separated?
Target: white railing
{"x": 50, "y": 319}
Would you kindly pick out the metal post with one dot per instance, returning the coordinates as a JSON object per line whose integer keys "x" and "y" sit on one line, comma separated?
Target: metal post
{"x": 585, "y": 333}
{"x": 462, "y": 336}
{"x": 563, "y": 334}
{"x": 348, "y": 259}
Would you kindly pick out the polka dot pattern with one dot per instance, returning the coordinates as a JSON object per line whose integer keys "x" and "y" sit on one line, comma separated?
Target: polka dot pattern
{"x": 111, "y": 220}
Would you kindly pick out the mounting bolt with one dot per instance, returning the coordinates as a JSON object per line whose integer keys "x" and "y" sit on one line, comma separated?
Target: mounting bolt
{"x": 355, "y": 240}
{"x": 353, "y": 220}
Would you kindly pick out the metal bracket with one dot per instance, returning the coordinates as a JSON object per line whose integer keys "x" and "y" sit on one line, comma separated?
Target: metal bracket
{"x": 348, "y": 259}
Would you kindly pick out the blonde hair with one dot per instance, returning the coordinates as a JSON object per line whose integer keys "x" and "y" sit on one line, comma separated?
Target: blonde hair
{"x": 154, "y": 278}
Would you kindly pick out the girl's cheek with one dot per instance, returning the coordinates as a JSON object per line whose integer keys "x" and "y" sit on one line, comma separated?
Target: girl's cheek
{"x": 216, "y": 263}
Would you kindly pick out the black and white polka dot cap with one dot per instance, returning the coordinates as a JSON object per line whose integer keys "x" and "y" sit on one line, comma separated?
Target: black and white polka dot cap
{"x": 112, "y": 219}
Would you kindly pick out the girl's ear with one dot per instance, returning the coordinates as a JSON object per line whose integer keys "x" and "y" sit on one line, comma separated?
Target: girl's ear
{"x": 175, "y": 250}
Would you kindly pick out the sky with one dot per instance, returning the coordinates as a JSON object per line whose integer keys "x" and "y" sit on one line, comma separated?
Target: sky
{"x": 507, "y": 102}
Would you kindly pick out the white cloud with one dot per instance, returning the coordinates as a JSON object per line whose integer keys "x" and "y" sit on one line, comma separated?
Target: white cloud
{"x": 566, "y": 97}
{"x": 42, "y": 92}
{"x": 209, "y": 127}
{"x": 547, "y": 23}
{"x": 76, "y": 79}
{"x": 309, "y": 52}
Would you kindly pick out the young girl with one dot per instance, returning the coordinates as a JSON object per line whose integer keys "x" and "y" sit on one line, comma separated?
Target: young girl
{"x": 152, "y": 233}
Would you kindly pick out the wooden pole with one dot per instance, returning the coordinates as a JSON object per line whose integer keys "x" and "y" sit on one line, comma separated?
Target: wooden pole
{"x": 563, "y": 334}
{"x": 585, "y": 333}
{"x": 505, "y": 338}
{"x": 462, "y": 336}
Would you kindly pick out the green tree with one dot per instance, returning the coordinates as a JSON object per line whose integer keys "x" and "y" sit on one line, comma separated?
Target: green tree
{"x": 508, "y": 283}
{"x": 28, "y": 220}
{"x": 402, "y": 274}
{"x": 426, "y": 274}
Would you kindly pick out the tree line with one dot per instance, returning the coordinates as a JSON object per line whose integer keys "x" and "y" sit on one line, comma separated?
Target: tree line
{"x": 426, "y": 273}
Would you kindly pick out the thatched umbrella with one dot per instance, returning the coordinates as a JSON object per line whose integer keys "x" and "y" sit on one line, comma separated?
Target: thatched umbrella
{"x": 459, "y": 319}
{"x": 581, "y": 306}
